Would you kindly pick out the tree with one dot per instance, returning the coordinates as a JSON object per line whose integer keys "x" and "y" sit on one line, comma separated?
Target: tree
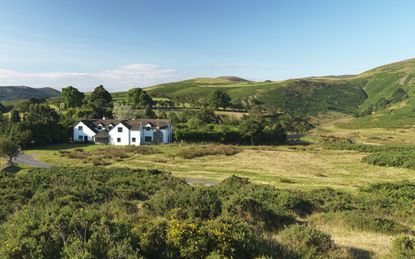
{"x": 139, "y": 98}
{"x": 252, "y": 126}
{"x": 72, "y": 97}
{"x": 218, "y": 99}
{"x": 9, "y": 149}
{"x": 251, "y": 102}
{"x": 100, "y": 97}
{"x": 41, "y": 113}
{"x": 149, "y": 113}
{"x": 133, "y": 97}
{"x": 14, "y": 116}
{"x": 3, "y": 109}
{"x": 123, "y": 112}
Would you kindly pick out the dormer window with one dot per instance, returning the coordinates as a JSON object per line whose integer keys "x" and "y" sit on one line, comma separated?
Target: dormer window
{"x": 148, "y": 128}
{"x": 99, "y": 127}
{"x": 110, "y": 127}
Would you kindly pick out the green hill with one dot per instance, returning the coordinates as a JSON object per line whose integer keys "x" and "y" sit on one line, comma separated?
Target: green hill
{"x": 11, "y": 93}
{"x": 301, "y": 97}
{"x": 384, "y": 96}
{"x": 382, "y": 83}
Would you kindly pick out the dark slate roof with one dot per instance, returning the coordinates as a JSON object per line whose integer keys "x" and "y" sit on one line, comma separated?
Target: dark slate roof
{"x": 102, "y": 134}
{"x": 131, "y": 124}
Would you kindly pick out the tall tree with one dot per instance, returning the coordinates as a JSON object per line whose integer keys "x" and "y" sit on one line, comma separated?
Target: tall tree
{"x": 252, "y": 126}
{"x": 72, "y": 97}
{"x": 219, "y": 98}
{"x": 100, "y": 97}
{"x": 3, "y": 109}
{"x": 9, "y": 149}
{"x": 139, "y": 98}
{"x": 14, "y": 116}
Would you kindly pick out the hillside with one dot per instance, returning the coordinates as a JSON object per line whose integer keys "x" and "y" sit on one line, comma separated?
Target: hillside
{"x": 10, "y": 93}
{"x": 314, "y": 95}
{"x": 371, "y": 94}
{"x": 382, "y": 83}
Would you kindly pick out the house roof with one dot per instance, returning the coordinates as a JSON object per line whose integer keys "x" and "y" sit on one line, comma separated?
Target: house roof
{"x": 131, "y": 124}
{"x": 102, "y": 134}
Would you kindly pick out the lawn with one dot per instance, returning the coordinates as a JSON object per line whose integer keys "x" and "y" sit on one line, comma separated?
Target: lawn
{"x": 288, "y": 167}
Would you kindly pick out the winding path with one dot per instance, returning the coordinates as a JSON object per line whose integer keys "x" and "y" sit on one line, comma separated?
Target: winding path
{"x": 30, "y": 161}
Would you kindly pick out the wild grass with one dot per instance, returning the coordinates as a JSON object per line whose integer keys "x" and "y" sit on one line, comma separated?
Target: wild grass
{"x": 209, "y": 150}
{"x": 302, "y": 168}
{"x": 101, "y": 157}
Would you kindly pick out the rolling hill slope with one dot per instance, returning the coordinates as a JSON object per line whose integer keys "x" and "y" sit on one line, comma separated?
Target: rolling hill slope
{"x": 11, "y": 93}
{"x": 314, "y": 95}
{"x": 301, "y": 97}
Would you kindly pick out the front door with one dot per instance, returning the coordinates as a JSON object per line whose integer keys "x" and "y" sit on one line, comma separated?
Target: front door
{"x": 85, "y": 139}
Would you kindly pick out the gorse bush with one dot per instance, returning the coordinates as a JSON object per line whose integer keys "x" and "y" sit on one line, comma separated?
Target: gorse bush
{"x": 209, "y": 150}
{"x": 307, "y": 242}
{"x": 403, "y": 247}
{"x": 122, "y": 213}
{"x": 381, "y": 155}
{"x": 357, "y": 220}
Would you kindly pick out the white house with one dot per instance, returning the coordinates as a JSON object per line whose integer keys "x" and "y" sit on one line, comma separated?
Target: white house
{"x": 123, "y": 132}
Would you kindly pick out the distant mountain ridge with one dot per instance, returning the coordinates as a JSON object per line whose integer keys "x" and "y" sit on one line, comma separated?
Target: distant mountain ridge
{"x": 11, "y": 93}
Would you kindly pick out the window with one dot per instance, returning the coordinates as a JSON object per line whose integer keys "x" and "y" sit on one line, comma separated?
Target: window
{"x": 99, "y": 128}
{"x": 118, "y": 140}
{"x": 133, "y": 139}
{"x": 80, "y": 138}
{"x": 119, "y": 129}
{"x": 148, "y": 128}
{"x": 147, "y": 139}
{"x": 110, "y": 127}
{"x": 80, "y": 128}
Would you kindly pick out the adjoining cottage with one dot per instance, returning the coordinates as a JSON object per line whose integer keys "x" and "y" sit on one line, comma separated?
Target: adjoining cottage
{"x": 123, "y": 132}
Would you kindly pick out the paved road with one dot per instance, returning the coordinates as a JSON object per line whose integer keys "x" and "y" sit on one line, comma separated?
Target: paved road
{"x": 30, "y": 161}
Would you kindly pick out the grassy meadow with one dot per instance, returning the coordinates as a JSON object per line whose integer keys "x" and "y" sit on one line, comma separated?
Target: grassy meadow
{"x": 288, "y": 167}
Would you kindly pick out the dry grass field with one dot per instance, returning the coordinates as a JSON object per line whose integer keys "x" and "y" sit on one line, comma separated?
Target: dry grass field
{"x": 288, "y": 167}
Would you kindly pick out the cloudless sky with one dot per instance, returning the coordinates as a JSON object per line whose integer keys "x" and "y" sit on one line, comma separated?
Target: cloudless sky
{"x": 126, "y": 43}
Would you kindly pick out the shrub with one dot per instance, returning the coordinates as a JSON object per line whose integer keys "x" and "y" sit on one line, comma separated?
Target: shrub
{"x": 209, "y": 150}
{"x": 328, "y": 199}
{"x": 362, "y": 221}
{"x": 403, "y": 247}
{"x": 256, "y": 213}
{"x": 306, "y": 241}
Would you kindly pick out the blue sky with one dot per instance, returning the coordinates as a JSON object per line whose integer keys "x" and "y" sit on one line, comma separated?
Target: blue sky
{"x": 126, "y": 43}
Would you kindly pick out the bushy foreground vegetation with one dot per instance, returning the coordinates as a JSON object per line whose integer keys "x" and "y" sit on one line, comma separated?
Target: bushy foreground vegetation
{"x": 124, "y": 213}
{"x": 381, "y": 155}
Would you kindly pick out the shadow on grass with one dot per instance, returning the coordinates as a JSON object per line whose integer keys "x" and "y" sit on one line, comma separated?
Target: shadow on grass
{"x": 11, "y": 169}
{"x": 56, "y": 147}
{"x": 360, "y": 253}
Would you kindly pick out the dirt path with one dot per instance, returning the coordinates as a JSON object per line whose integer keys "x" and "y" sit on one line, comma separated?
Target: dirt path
{"x": 30, "y": 161}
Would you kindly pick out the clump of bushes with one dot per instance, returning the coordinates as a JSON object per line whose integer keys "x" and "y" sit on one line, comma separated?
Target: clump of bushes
{"x": 306, "y": 241}
{"x": 381, "y": 155}
{"x": 403, "y": 247}
{"x": 209, "y": 150}
{"x": 103, "y": 158}
{"x": 358, "y": 220}
{"x": 405, "y": 159}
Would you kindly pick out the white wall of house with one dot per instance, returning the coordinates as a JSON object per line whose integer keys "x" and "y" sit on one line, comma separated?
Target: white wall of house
{"x": 80, "y": 131}
{"x": 135, "y": 135}
{"x": 119, "y": 137}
